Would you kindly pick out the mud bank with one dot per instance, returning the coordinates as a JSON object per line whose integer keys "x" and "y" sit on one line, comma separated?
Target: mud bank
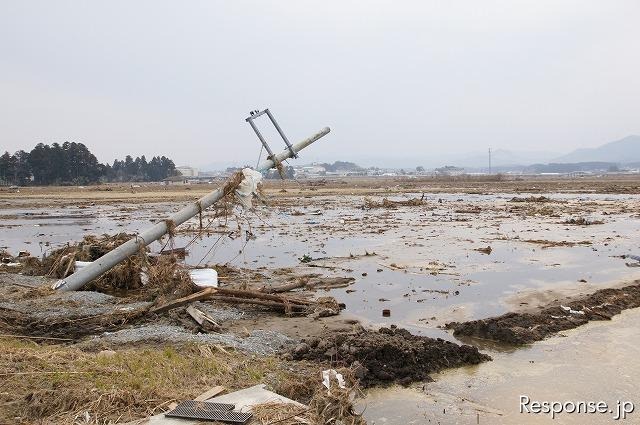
{"x": 389, "y": 355}
{"x": 523, "y": 328}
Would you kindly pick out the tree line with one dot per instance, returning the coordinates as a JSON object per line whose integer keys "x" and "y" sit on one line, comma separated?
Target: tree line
{"x": 73, "y": 163}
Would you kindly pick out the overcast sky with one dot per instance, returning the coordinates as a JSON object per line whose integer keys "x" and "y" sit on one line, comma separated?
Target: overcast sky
{"x": 404, "y": 79}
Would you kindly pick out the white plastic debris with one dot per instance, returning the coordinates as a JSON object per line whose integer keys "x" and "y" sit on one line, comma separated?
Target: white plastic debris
{"x": 248, "y": 186}
{"x": 331, "y": 373}
{"x": 82, "y": 264}
{"x": 570, "y": 310}
{"x": 204, "y": 278}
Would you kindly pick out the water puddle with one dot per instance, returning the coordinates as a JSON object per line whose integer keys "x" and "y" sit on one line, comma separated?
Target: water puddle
{"x": 550, "y": 370}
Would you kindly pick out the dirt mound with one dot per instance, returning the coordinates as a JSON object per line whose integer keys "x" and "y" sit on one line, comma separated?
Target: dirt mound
{"x": 387, "y": 355}
{"x": 523, "y": 328}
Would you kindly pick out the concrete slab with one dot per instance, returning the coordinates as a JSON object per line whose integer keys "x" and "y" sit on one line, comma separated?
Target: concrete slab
{"x": 248, "y": 397}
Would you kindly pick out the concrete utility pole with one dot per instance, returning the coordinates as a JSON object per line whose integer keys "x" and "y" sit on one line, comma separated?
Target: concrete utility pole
{"x": 489, "y": 161}
{"x": 133, "y": 246}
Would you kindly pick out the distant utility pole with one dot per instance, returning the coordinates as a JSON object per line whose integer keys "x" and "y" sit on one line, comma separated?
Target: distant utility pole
{"x": 489, "y": 160}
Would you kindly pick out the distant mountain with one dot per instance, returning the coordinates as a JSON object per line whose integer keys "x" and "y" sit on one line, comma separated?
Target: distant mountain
{"x": 501, "y": 158}
{"x": 477, "y": 160}
{"x": 571, "y": 167}
{"x": 621, "y": 151}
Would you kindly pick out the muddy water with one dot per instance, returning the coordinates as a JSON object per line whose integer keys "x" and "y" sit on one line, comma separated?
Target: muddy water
{"x": 597, "y": 362}
{"x": 426, "y": 269}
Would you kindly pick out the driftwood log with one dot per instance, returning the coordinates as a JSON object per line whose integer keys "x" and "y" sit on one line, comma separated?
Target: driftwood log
{"x": 240, "y": 296}
{"x": 309, "y": 283}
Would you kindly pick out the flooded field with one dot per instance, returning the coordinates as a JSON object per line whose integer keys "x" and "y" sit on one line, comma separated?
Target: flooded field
{"x": 428, "y": 263}
{"x": 419, "y": 258}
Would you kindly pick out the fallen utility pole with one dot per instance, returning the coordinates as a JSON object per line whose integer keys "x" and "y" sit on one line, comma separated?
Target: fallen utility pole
{"x": 138, "y": 242}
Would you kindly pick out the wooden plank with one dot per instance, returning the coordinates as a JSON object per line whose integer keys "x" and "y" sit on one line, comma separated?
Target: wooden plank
{"x": 198, "y": 296}
{"x": 235, "y": 295}
{"x": 210, "y": 393}
{"x": 267, "y": 303}
{"x": 243, "y": 293}
{"x": 195, "y": 314}
{"x": 200, "y": 316}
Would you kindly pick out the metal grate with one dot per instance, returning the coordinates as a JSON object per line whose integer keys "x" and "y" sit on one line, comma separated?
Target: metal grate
{"x": 204, "y": 410}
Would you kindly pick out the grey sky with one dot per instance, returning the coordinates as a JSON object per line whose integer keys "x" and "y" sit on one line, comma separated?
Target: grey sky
{"x": 420, "y": 78}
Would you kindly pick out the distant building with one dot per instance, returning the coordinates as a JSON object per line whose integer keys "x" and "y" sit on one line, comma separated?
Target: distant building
{"x": 312, "y": 170}
{"x": 175, "y": 180}
{"x": 187, "y": 171}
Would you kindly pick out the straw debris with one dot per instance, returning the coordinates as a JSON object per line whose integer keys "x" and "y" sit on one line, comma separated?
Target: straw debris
{"x": 326, "y": 406}
{"x": 388, "y": 203}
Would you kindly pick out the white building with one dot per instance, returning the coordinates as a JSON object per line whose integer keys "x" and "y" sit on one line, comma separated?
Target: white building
{"x": 187, "y": 171}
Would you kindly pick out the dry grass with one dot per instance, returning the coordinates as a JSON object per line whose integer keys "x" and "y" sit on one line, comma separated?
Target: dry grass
{"x": 61, "y": 384}
{"x": 282, "y": 414}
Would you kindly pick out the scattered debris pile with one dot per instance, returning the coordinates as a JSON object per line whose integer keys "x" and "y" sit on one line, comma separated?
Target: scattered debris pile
{"x": 523, "y": 328}
{"x": 161, "y": 276}
{"x": 470, "y": 210}
{"x": 62, "y": 262}
{"x": 551, "y": 244}
{"x": 311, "y": 281}
{"x": 23, "y": 262}
{"x": 581, "y": 221}
{"x": 388, "y": 203}
{"x": 387, "y": 355}
{"x": 43, "y": 312}
{"x": 320, "y": 307}
{"x": 531, "y": 199}
{"x": 486, "y": 250}
{"x": 335, "y": 406}
{"x": 331, "y": 406}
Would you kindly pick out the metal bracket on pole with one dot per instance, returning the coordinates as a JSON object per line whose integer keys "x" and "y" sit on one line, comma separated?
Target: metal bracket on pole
{"x": 255, "y": 114}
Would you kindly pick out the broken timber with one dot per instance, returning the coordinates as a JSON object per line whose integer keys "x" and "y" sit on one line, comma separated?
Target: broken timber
{"x": 201, "y": 317}
{"x": 239, "y": 296}
{"x": 210, "y": 393}
{"x": 310, "y": 283}
{"x": 134, "y": 245}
